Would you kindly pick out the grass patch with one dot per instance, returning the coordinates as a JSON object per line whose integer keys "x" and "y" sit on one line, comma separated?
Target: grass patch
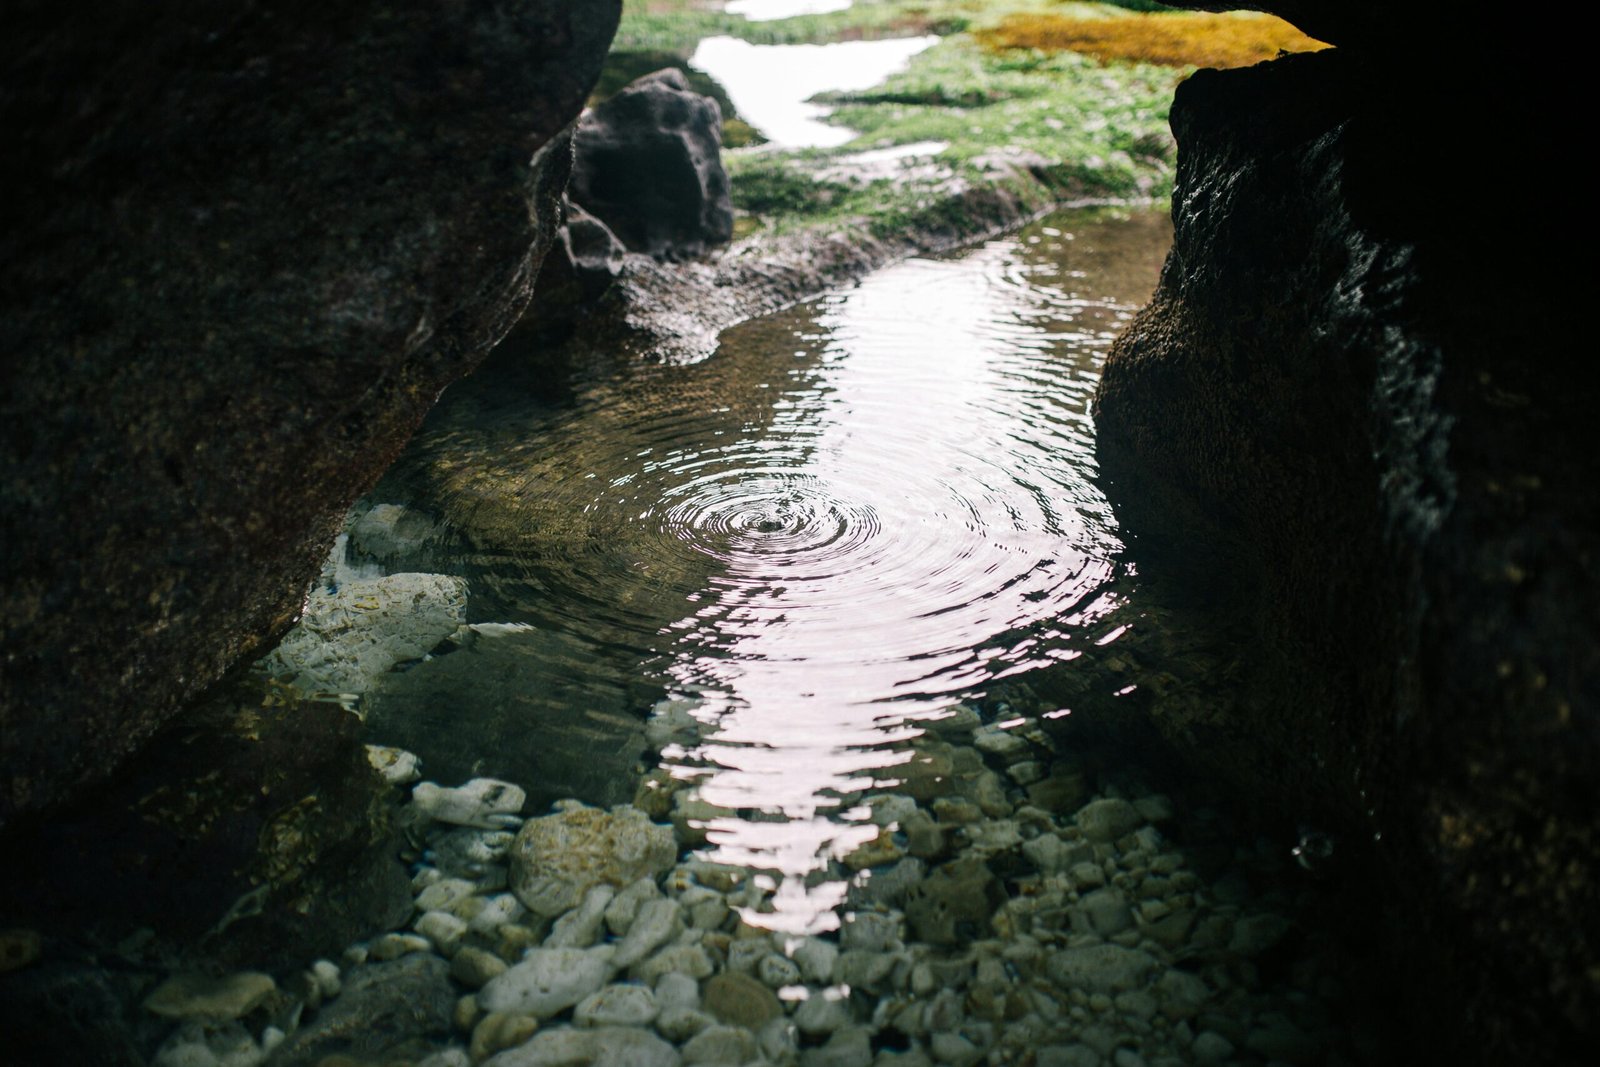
{"x": 1171, "y": 40}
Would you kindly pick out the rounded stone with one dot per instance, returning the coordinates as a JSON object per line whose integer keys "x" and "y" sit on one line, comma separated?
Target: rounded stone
{"x": 741, "y": 1000}
{"x": 555, "y": 859}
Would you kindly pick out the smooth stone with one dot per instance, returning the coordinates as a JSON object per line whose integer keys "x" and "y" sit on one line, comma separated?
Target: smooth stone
{"x": 617, "y": 1005}
{"x": 657, "y": 922}
{"x": 816, "y": 959}
{"x": 482, "y": 803}
{"x": 848, "y": 1047}
{"x": 879, "y": 850}
{"x": 1100, "y": 968}
{"x": 548, "y": 981}
{"x": 467, "y": 1013}
{"x": 1157, "y": 807}
{"x": 889, "y": 810}
{"x": 475, "y": 968}
{"x": 557, "y": 858}
{"x": 447, "y": 1057}
{"x": 443, "y": 893}
{"x": 625, "y": 905}
{"x": 1026, "y": 772}
{"x": 1211, "y": 1047}
{"x": 1107, "y": 819}
{"x": 741, "y": 1000}
{"x": 580, "y": 927}
{"x": 780, "y": 1041}
{"x": 871, "y": 931}
{"x": 192, "y": 996}
{"x": 777, "y": 971}
{"x": 925, "y": 838}
{"x": 887, "y": 886}
{"x": 443, "y": 930}
{"x": 677, "y": 991}
{"x": 954, "y": 1049}
{"x": 200, "y": 1044}
{"x": 723, "y": 1046}
{"x": 497, "y": 911}
{"x": 1047, "y": 853}
{"x": 1181, "y": 994}
{"x": 865, "y": 970}
{"x": 1087, "y": 875}
{"x": 1001, "y": 743}
{"x": 680, "y": 1024}
{"x": 326, "y": 974}
{"x": 821, "y": 1014}
{"x": 1106, "y": 911}
{"x": 499, "y": 1031}
{"x": 692, "y": 960}
{"x": 606, "y": 1046}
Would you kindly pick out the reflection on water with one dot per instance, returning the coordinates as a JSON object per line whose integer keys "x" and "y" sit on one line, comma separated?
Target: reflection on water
{"x": 852, "y": 514}
{"x": 770, "y": 84}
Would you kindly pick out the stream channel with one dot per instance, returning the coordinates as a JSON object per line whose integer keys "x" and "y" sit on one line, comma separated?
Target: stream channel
{"x": 816, "y": 602}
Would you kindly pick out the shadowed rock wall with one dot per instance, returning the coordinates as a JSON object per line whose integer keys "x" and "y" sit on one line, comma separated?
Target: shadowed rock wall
{"x": 245, "y": 245}
{"x": 1351, "y": 419}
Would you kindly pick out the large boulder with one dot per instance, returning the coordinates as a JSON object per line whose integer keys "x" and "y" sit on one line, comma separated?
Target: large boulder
{"x": 648, "y": 164}
{"x": 245, "y": 245}
{"x": 1350, "y": 416}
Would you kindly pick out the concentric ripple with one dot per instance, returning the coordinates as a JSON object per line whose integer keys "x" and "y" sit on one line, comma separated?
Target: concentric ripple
{"x": 853, "y": 513}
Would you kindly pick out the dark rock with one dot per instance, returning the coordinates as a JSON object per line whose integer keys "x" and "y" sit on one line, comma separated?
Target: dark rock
{"x": 496, "y": 709}
{"x": 585, "y": 259}
{"x": 246, "y": 835}
{"x": 1349, "y": 418}
{"x": 648, "y": 164}
{"x": 386, "y": 1011}
{"x": 74, "y": 1012}
{"x": 246, "y": 244}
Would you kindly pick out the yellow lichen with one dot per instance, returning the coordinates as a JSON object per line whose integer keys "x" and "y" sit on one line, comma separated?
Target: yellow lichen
{"x": 1175, "y": 40}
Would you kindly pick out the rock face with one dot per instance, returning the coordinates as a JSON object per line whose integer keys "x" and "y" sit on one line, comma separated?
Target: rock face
{"x": 1348, "y": 416}
{"x": 648, "y": 164}
{"x": 245, "y": 247}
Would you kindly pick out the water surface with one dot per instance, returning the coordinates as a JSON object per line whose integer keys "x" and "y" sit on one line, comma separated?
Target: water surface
{"x": 852, "y": 515}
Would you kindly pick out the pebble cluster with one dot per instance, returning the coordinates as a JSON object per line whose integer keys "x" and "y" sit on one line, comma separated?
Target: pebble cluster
{"x": 1006, "y": 912}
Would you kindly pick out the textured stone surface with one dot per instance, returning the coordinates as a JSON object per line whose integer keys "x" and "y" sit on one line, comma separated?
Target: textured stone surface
{"x": 558, "y": 857}
{"x": 245, "y": 245}
{"x": 1349, "y": 418}
{"x": 648, "y": 164}
{"x": 383, "y": 1010}
{"x": 263, "y": 831}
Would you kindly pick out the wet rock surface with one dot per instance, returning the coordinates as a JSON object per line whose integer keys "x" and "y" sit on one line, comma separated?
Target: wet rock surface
{"x": 1382, "y": 487}
{"x": 246, "y": 247}
{"x": 647, "y": 162}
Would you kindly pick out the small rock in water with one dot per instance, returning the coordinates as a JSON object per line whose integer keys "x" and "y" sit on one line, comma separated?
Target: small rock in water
{"x": 397, "y": 766}
{"x": 474, "y": 968}
{"x": 499, "y": 1030}
{"x": 622, "y": 909}
{"x": 1100, "y": 968}
{"x": 741, "y": 1000}
{"x": 580, "y": 927}
{"x": 607, "y": 1045}
{"x": 198, "y": 1044}
{"x": 190, "y": 996}
{"x": 617, "y": 1005}
{"x": 548, "y": 981}
{"x": 816, "y": 959}
{"x": 1108, "y": 819}
{"x": 724, "y": 1046}
{"x": 558, "y": 857}
{"x": 443, "y": 930}
{"x": 821, "y": 1014}
{"x": 658, "y": 922}
{"x": 483, "y": 802}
